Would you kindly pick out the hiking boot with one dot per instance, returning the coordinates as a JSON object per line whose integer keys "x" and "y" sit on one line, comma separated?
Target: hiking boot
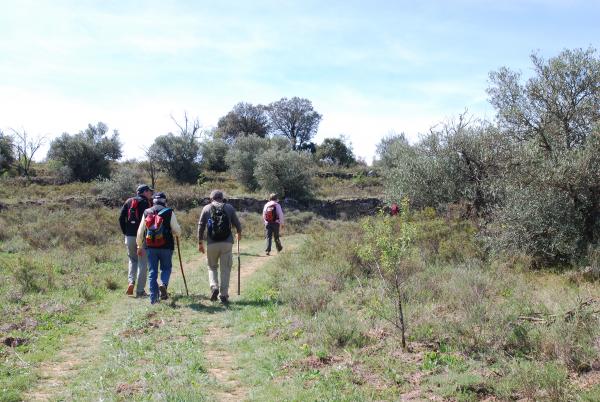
{"x": 268, "y": 253}
{"x": 279, "y": 249}
{"x": 214, "y": 294}
{"x": 163, "y": 292}
{"x": 130, "y": 290}
{"x": 141, "y": 294}
{"x": 224, "y": 299}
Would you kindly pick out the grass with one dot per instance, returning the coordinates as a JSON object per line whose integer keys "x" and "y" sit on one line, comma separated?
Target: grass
{"x": 311, "y": 324}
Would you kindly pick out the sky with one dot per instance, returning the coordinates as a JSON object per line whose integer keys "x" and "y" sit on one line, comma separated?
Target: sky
{"x": 371, "y": 68}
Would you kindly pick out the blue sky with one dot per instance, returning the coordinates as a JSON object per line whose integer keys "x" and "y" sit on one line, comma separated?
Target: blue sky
{"x": 369, "y": 67}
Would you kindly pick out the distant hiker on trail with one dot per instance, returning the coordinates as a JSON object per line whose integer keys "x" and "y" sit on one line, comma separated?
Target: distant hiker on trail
{"x": 273, "y": 219}
{"x": 217, "y": 218}
{"x": 130, "y": 218}
{"x": 395, "y": 209}
{"x": 155, "y": 237}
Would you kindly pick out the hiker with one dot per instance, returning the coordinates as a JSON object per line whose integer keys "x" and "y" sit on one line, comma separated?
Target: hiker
{"x": 217, "y": 218}
{"x": 273, "y": 219}
{"x": 155, "y": 237}
{"x": 129, "y": 219}
{"x": 394, "y": 210}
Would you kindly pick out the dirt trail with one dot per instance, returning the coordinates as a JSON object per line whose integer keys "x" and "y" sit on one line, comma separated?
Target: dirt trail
{"x": 77, "y": 350}
{"x": 219, "y": 337}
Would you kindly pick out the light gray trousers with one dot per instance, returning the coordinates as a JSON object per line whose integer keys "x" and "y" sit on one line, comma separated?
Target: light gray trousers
{"x": 138, "y": 266}
{"x": 219, "y": 255}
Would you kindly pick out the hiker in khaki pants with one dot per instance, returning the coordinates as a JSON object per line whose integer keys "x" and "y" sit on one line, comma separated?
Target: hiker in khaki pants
{"x": 217, "y": 218}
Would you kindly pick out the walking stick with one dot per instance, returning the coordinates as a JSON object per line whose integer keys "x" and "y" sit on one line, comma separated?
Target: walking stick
{"x": 181, "y": 266}
{"x": 239, "y": 264}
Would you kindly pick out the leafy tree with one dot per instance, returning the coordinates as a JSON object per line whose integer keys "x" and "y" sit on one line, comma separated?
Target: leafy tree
{"x": 286, "y": 173}
{"x": 552, "y": 121}
{"x": 214, "y": 152}
{"x": 294, "y": 119}
{"x": 87, "y": 154}
{"x": 243, "y": 157}
{"x": 7, "y": 155}
{"x": 179, "y": 155}
{"x": 244, "y": 119}
{"x": 335, "y": 151}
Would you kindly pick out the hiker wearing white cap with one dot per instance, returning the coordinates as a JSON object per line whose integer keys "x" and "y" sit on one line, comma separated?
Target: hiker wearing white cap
{"x": 273, "y": 220}
{"x": 155, "y": 237}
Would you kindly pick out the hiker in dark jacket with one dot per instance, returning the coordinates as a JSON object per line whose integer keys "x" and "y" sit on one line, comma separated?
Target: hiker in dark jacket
{"x": 217, "y": 218}
{"x": 156, "y": 238}
{"x": 273, "y": 220}
{"x": 129, "y": 219}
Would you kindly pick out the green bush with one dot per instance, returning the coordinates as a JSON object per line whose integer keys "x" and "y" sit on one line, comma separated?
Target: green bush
{"x": 243, "y": 158}
{"x": 121, "y": 185}
{"x": 288, "y": 174}
{"x": 178, "y": 155}
{"x": 214, "y": 152}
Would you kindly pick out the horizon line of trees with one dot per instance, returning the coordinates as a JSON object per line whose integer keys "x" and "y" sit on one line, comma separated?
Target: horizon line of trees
{"x": 284, "y": 125}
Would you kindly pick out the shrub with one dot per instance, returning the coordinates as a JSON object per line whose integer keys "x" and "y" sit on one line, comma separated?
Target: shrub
{"x": 341, "y": 329}
{"x": 121, "y": 185}
{"x": 288, "y": 174}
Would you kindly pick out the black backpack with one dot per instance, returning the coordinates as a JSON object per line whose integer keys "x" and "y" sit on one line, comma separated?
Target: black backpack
{"x": 219, "y": 227}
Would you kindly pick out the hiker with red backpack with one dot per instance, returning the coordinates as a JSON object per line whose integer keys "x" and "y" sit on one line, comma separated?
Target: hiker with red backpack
{"x": 273, "y": 219}
{"x": 129, "y": 220}
{"x": 217, "y": 218}
{"x": 156, "y": 238}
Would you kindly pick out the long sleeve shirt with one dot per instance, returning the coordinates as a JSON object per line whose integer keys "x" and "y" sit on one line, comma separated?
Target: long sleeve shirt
{"x": 278, "y": 209}
{"x": 205, "y": 215}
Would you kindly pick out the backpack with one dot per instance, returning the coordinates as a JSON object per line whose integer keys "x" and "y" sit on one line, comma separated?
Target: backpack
{"x": 156, "y": 230}
{"x": 133, "y": 214}
{"x": 271, "y": 213}
{"x": 219, "y": 227}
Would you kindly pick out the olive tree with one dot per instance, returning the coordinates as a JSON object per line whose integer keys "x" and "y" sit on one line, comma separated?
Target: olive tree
{"x": 288, "y": 173}
{"x": 86, "y": 155}
{"x": 552, "y": 181}
{"x": 243, "y": 156}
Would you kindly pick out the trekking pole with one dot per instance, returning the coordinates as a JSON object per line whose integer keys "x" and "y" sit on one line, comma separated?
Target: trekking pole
{"x": 239, "y": 265}
{"x": 181, "y": 266}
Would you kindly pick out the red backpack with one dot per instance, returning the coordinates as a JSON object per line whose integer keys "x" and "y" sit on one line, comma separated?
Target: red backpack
{"x": 133, "y": 214}
{"x": 156, "y": 232}
{"x": 271, "y": 213}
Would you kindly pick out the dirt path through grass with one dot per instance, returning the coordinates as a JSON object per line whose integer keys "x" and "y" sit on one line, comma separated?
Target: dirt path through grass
{"x": 76, "y": 352}
{"x": 219, "y": 340}
{"x": 60, "y": 378}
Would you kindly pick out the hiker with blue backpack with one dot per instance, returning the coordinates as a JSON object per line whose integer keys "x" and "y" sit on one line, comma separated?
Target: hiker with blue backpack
{"x": 273, "y": 220}
{"x": 217, "y": 218}
{"x": 156, "y": 238}
{"x": 129, "y": 220}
